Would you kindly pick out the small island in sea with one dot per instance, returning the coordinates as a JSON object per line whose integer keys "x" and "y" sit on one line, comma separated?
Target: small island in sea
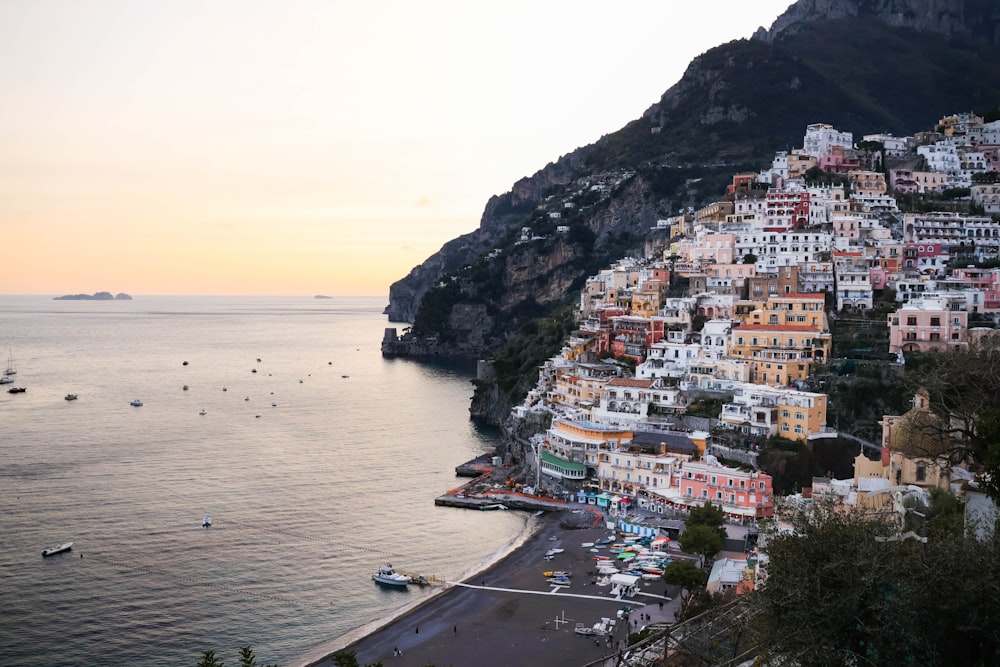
{"x": 322, "y": 296}
{"x": 96, "y": 296}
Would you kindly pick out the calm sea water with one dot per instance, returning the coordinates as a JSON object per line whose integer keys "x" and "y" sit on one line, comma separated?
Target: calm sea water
{"x": 315, "y": 470}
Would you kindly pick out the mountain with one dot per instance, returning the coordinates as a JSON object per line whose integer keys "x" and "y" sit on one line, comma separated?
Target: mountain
{"x": 864, "y": 66}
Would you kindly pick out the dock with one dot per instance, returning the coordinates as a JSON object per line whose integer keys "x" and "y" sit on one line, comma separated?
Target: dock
{"x": 481, "y": 465}
{"x": 510, "y": 499}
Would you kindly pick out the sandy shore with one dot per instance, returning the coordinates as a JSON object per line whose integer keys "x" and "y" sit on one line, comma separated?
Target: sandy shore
{"x": 507, "y": 614}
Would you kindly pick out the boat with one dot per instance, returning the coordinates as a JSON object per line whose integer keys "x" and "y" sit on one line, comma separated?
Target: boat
{"x": 558, "y": 574}
{"x": 493, "y": 506}
{"x": 135, "y": 403}
{"x": 58, "y": 549}
{"x": 16, "y": 390}
{"x": 389, "y": 577}
{"x": 604, "y": 627}
{"x": 70, "y": 397}
{"x": 10, "y": 366}
{"x": 206, "y": 522}
{"x": 553, "y": 552}
{"x": 6, "y": 380}
{"x": 202, "y": 412}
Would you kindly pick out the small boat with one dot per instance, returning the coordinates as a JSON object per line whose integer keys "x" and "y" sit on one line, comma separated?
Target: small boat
{"x": 70, "y": 397}
{"x": 558, "y": 574}
{"x": 202, "y": 412}
{"x": 6, "y": 380}
{"x": 135, "y": 403}
{"x": 16, "y": 390}
{"x": 605, "y": 627}
{"x": 10, "y": 365}
{"x": 58, "y": 549}
{"x": 185, "y": 387}
{"x": 273, "y": 404}
{"x": 224, "y": 388}
{"x": 246, "y": 398}
{"x": 389, "y": 577}
{"x": 493, "y": 506}
{"x": 206, "y": 522}
{"x": 586, "y": 545}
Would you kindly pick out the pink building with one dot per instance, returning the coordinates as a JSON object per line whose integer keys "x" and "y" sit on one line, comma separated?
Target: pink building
{"x": 742, "y": 494}
{"x": 927, "y": 324}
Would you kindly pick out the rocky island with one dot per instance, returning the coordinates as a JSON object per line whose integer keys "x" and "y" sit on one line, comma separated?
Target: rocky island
{"x": 96, "y": 296}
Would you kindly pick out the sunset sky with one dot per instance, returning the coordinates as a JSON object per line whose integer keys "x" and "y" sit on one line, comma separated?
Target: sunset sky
{"x": 302, "y": 147}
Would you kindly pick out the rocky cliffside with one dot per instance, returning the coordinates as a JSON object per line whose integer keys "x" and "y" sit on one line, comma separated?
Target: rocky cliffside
{"x": 952, "y": 18}
{"x": 861, "y": 65}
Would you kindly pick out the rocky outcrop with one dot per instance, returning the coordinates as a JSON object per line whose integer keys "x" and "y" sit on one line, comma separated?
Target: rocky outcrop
{"x": 971, "y": 18}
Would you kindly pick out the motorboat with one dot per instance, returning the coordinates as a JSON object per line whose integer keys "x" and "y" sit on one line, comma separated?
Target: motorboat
{"x": 58, "y": 549}
{"x": 135, "y": 403}
{"x": 603, "y": 627}
{"x": 6, "y": 380}
{"x": 17, "y": 390}
{"x": 389, "y": 577}
{"x": 70, "y": 397}
{"x": 206, "y": 522}
{"x": 203, "y": 412}
{"x": 557, "y": 574}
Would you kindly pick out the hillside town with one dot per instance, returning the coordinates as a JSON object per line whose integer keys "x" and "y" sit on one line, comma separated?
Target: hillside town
{"x": 737, "y": 310}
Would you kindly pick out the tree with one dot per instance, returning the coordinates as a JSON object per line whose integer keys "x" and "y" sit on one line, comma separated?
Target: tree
{"x": 843, "y": 589}
{"x": 208, "y": 659}
{"x": 707, "y": 515}
{"x": 703, "y": 540}
{"x": 247, "y": 658}
{"x": 687, "y": 575}
{"x": 964, "y": 389}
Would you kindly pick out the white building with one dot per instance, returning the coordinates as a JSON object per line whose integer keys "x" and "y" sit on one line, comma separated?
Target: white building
{"x": 820, "y": 137}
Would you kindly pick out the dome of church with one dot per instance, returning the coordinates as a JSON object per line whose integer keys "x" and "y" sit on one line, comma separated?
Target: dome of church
{"x": 920, "y": 432}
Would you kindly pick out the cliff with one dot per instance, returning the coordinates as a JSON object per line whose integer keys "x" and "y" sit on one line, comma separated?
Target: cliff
{"x": 863, "y": 66}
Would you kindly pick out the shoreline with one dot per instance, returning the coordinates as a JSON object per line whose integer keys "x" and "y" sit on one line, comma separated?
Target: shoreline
{"x": 507, "y": 614}
{"x": 322, "y": 656}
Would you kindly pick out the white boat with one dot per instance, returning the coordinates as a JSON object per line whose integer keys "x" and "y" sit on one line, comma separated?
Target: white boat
{"x": 206, "y": 522}
{"x": 389, "y": 577}
{"x": 604, "y": 627}
{"x": 10, "y": 366}
{"x": 6, "y": 380}
{"x": 58, "y": 549}
{"x": 203, "y": 412}
{"x": 135, "y": 403}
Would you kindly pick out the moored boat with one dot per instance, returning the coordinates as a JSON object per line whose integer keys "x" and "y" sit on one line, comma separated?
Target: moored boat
{"x": 389, "y": 577}
{"x": 135, "y": 403}
{"x": 58, "y": 549}
{"x": 17, "y": 390}
{"x": 71, "y": 397}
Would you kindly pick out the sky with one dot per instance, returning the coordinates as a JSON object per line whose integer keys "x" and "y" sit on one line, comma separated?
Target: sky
{"x": 302, "y": 147}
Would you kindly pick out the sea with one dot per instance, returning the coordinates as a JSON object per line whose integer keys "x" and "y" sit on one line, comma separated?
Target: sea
{"x": 316, "y": 459}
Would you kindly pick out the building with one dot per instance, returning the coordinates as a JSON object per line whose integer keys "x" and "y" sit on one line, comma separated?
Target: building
{"x": 926, "y": 324}
{"x": 741, "y": 494}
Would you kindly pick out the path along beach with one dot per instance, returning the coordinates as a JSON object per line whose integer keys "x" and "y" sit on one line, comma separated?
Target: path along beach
{"x": 507, "y": 615}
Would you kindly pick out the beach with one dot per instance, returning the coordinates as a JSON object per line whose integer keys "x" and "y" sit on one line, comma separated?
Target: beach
{"x": 509, "y": 615}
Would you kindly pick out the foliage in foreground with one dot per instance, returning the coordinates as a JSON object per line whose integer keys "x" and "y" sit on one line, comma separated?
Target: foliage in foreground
{"x": 247, "y": 659}
{"x": 836, "y": 595}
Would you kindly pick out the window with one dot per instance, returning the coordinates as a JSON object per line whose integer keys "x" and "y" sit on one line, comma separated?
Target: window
{"x": 798, "y": 428}
{"x": 784, "y": 427}
{"x": 935, "y": 321}
{"x": 911, "y": 321}
{"x": 784, "y": 413}
{"x": 799, "y": 415}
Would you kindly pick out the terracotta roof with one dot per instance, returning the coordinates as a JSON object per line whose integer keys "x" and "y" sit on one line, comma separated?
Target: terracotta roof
{"x": 631, "y": 382}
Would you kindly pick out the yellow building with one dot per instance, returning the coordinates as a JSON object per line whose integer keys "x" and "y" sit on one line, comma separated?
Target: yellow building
{"x": 800, "y": 414}
{"x": 779, "y": 354}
